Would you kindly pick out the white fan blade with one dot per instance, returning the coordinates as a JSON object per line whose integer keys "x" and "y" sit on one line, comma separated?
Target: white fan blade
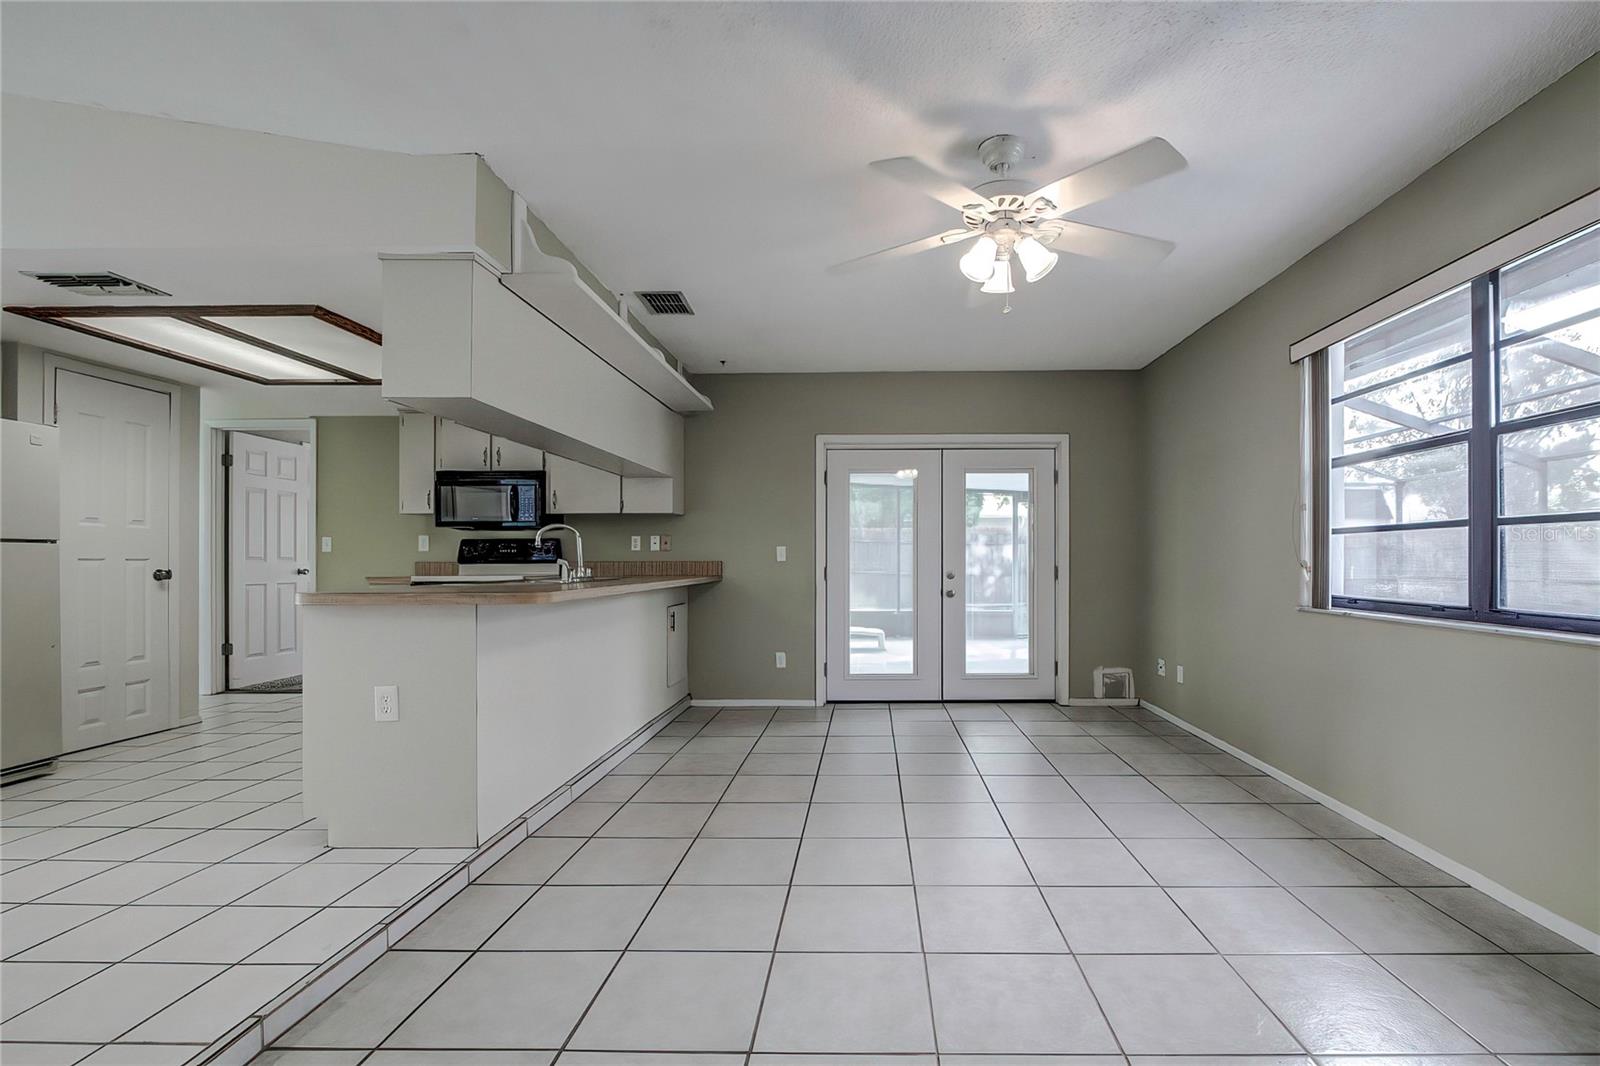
{"x": 1143, "y": 162}
{"x": 950, "y": 236}
{"x": 916, "y": 173}
{"x": 1079, "y": 238}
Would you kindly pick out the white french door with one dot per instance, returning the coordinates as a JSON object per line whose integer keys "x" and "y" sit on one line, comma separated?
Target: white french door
{"x": 269, "y": 552}
{"x": 115, "y": 570}
{"x": 940, "y": 574}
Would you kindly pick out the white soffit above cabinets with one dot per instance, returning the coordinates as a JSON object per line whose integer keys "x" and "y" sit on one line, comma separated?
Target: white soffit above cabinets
{"x": 721, "y": 149}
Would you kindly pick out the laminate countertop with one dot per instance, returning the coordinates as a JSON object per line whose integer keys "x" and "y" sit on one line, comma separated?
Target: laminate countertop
{"x": 391, "y": 592}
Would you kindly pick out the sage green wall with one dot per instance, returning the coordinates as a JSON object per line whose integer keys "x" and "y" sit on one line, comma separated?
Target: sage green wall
{"x": 358, "y": 500}
{"x": 1484, "y": 747}
{"x": 751, "y": 467}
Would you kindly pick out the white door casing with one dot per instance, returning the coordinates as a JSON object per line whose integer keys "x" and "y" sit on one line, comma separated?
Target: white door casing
{"x": 999, "y": 574}
{"x": 976, "y": 541}
{"x": 269, "y": 551}
{"x": 894, "y": 656}
{"x": 115, "y": 518}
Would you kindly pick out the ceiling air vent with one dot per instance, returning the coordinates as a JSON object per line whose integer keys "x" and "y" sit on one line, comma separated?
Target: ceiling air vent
{"x": 98, "y": 283}
{"x": 665, "y": 303}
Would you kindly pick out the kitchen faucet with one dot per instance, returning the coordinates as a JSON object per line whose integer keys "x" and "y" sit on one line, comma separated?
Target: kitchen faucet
{"x": 568, "y": 573}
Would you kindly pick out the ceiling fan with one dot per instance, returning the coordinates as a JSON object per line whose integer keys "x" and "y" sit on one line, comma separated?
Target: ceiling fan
{"x": 1023, "y": 227}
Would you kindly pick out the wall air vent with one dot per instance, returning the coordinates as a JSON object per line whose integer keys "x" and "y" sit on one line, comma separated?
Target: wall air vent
{"x": 96, "y": 283}
{"x": 665, "y": 303}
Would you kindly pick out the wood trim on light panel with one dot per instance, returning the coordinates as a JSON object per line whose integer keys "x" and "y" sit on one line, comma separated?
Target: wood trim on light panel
{"x": 200, "y": 317}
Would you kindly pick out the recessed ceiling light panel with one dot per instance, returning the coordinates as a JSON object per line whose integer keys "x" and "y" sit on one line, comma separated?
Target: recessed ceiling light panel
{"x": 269, "y": 344}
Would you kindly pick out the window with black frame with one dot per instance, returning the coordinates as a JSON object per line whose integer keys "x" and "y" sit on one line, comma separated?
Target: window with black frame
{"x": 1462, "y": 455}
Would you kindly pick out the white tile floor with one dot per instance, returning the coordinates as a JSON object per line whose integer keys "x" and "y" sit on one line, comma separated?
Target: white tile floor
{"x": 971, "y": 884}
{"x": 154, "y": 893}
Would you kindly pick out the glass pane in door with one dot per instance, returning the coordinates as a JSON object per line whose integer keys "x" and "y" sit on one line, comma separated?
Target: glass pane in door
{"x": 882, "y": 558}
{"x": 998, "y": 523}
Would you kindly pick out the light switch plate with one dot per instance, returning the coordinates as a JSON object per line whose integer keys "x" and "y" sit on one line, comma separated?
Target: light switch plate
{"x": 655, "y": 542}
{"x": 385, "y": 703}
{"x": 633, "y": 543}
{"x": 666, "y": 542}
{"x": 327, "y": 544}
{"x": 783, "y": 660}
{"x": 783, "y": 553}
{"x": 1180, "y": 675}
{"x": 422, "y": 542}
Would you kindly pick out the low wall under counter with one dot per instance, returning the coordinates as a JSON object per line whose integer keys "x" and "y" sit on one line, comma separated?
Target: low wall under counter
{"x": 505, "y": 694}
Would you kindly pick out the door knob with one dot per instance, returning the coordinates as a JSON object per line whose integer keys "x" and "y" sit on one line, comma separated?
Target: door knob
{"x": 949, "y": 594}
{"x": 302, "y": 571}
{"x": 162, "y": 575}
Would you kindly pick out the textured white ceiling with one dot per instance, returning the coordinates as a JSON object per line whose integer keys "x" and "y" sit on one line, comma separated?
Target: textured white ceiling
{"x": 721, "y": 149}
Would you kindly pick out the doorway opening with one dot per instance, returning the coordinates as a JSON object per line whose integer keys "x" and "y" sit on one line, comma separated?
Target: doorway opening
{"x": 263, "y": 511}
{"x": 938, "y": 568}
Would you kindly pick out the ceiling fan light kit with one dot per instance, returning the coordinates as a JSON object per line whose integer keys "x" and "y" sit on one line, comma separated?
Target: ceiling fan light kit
{"x": 1009, "y": 226}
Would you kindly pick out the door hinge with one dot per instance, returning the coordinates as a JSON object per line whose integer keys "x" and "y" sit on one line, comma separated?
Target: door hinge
{"x": 1057, "y": 476}
{"x": 1058, "y": 571}
{"x": 824, "y": 669}
{"x": 227, "y": 458}
{"x": 1058, "y": 670}
{"x": 227, "y": 647}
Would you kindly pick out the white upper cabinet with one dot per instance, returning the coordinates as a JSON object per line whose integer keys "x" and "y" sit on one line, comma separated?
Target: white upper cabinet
{"x": 464, "y": 448}
{"x": 652, "y": 495}
{"x": 509, "y": 455}
{"x": 575, "y": 488}
{"x": 458, "y": 447}
{"x": 416, "y": 464}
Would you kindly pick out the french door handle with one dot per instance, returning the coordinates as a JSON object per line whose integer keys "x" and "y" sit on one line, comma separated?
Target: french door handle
{"x": 162, "y": 575}
{"x": 949, "y": 594}
{"x": 950, "y": 575}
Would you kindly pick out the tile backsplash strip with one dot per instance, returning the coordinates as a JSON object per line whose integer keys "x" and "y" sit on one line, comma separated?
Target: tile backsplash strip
{"x": 605, "y": 568}
{"x": 656, "y": 568}
{"x": 247, "y": 1039}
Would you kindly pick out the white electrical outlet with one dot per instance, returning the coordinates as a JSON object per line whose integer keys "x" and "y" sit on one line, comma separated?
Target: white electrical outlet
{"x": 666, "y": 542}
{"x": 655, "y": 542}
{"x": 422, "y": 542}
{"x": 783, "y": 553}
{"x": 1180, "y": 675}
{"x": 385, "y": 703}
{"x": 1161, "y": 668}
{"x": 327, "y": 544}
{"x": 633, "y": 543}
{"x": 783, "y": 660}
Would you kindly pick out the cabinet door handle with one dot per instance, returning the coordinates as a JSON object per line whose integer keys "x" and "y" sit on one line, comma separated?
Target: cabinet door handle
{"x": 427, "y": 499}
{"x": 486, "y": 457}
{"x": 552, "y": 499}
{"x": 497, "y": 461}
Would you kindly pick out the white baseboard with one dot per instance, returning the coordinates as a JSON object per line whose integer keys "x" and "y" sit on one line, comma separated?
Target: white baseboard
{"x": 1588, "y": 939}
{"x": 756, "y": 703}
{"x": 1096, "y": 701}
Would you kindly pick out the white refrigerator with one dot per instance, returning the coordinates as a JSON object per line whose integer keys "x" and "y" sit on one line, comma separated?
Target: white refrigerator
{"x": 30, "y": 600}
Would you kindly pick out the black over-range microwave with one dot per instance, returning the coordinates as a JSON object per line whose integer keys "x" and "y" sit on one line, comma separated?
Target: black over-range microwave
{"x": 479, "y": 499}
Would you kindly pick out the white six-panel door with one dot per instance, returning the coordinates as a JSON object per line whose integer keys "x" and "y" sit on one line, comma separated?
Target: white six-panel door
{"x": 115, "y": 570}
{"x": 269, "y": 552}
{"x": 940, "y": 574}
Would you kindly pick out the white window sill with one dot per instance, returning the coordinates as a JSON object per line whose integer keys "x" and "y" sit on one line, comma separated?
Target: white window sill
{"x": 1470, "y": 627}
